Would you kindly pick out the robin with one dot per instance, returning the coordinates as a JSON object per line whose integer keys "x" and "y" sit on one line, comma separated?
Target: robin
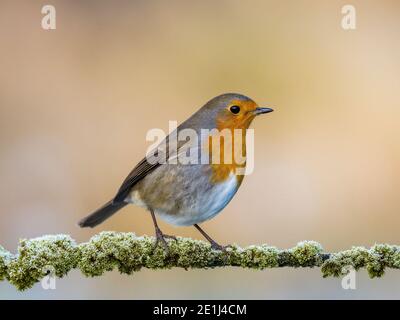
{"x": 186, "y": 194}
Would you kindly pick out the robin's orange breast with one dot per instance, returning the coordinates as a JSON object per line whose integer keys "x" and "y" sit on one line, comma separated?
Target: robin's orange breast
{"x": 227, "y": 154}
{"x": 227, "y": 144}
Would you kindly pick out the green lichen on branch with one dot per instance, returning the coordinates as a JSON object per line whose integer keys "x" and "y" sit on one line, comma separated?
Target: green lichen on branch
{"x": 37, "y": 257}
{"x": 5, "y": 258}
{"x": 129, "y": 253}
{"x": 375, "y": 260}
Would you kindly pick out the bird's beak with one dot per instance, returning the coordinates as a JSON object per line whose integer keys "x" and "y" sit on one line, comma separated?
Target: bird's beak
{"x": 262, "y": 110}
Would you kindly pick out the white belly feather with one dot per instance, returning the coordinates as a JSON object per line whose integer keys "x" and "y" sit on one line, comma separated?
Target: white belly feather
{"x": 206, "y": 206}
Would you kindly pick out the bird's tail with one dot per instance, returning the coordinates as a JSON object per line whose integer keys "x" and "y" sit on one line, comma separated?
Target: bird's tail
{"x": 101, "y": 214}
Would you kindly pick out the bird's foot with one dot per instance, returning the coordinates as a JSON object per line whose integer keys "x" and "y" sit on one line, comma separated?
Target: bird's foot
{"x": 218, "y": 247}
{"x": 166, "y": 236}
{"x": 223, "y": 249}
{"x": 160, "y": 238}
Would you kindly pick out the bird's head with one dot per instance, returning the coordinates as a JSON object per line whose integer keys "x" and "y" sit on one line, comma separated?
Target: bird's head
{"x": 234, "y": 111}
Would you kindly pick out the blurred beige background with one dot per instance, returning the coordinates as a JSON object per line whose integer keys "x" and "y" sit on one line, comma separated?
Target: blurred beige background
{"x": 76, "y": 103}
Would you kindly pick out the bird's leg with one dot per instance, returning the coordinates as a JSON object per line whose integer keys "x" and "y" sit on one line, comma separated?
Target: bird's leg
{"x": 214, "y": 244}
{"x": 159, "y": 235}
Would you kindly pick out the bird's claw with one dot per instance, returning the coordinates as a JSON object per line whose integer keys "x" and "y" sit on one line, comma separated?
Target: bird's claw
{"x": 223, "y": 249}
{"x": 218, "y": 247}
{"x": 166, "y": 236}
{"x": 160, "y": 237}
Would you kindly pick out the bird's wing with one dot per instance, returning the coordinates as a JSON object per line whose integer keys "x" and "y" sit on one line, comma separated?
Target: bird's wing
{"x": 138, "y": 173}
{"x": 144, "y": 167}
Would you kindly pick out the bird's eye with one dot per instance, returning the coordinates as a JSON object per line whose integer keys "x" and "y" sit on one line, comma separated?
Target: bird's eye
{"x": 235, "y": 109}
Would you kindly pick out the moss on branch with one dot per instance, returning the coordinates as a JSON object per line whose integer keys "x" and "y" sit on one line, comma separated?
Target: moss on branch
{"x": 129, "y": 253}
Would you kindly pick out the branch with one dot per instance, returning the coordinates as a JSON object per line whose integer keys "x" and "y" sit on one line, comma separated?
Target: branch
{"x": 129, "y": 253}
